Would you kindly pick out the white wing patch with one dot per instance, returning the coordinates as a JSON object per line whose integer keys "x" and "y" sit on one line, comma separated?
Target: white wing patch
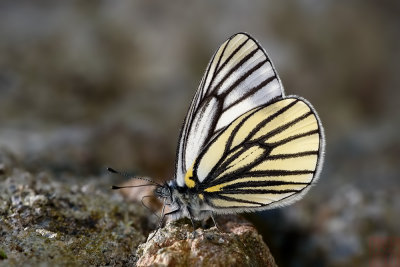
{"x": 239, "y": 78}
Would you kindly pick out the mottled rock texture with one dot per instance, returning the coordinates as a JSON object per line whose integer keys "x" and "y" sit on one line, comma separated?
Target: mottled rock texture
{"x": 46, "y": 220}
{"x": 176, "y": 245}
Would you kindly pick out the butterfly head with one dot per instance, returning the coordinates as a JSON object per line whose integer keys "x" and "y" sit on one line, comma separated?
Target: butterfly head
{"x": 163, "y": 192}
{"x": 170, "y": 193}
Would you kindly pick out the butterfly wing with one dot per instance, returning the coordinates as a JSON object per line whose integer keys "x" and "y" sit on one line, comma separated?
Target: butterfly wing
{"x": 239, "y": 78}
{"x": 269, "y": 156}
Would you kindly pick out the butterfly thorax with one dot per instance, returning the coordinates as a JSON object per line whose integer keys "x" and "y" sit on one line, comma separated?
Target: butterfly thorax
{"x": 182, "y": 200}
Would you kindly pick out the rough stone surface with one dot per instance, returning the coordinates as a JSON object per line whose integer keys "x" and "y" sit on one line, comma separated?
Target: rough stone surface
{"x": 238, "y": 244}
{"x": 47, "y": 220}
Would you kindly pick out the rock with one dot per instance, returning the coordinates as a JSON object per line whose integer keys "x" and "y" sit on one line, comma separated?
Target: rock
{"x": 48, "y": 220}
{"x": 177, "y": 245}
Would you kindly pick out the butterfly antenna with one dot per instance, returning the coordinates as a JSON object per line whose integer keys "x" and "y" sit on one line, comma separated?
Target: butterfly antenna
{"x": 129, "y": 176}
{"x": 115, "y": 187}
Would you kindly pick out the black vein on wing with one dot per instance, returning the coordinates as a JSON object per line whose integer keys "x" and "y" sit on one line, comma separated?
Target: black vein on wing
{"x": 204, "y": 151}
{"x": 294, "y": 155}
{"x": 231, "y": 56}
{"x": 257, "y": 191}
{"x": 215, "y": 196}
{"x": 201, "y": 95}
{"x": 220, "y": 166}
{"x": 232, "y": 70}
{"x": 255, "y": 184}
{"x": 293, "y": 137}
{"x": 253, "y": 90}
{"x": 268, "y": 119}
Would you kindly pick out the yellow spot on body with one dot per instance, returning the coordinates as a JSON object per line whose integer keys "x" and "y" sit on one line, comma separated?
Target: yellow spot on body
{"x": 188, "y": 178}
{"x": 201, "y": 196}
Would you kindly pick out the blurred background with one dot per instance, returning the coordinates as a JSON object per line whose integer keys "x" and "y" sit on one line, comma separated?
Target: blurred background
{"x": 90, "y": 84}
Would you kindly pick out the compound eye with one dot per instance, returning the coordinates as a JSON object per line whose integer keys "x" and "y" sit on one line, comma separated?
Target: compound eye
{"x": 159, "y": 191}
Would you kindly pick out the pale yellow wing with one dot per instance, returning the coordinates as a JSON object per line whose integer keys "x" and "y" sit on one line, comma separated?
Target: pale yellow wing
{"x": 267, "y": 157}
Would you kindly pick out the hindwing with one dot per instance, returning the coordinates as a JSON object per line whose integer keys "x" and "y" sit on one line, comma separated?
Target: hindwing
{"x": 268, "y": 156}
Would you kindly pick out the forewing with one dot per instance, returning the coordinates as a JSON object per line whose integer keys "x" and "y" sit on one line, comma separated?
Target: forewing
{"x": 239, "y": 78}
{"x": 267, "y": 157}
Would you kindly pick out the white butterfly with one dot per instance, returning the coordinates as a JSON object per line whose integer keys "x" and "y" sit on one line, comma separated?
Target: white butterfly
{"x": 244, "y": 145}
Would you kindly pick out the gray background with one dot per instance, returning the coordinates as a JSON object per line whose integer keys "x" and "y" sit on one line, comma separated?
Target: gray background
{"x": 84, "y": 85}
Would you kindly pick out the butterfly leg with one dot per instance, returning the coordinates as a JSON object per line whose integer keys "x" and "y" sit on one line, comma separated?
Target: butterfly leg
{"x": 192, "y": 220}
{"x": 172, "y": 212}
{"x": 215, "y": 223}
{"x": 162, "y": 219}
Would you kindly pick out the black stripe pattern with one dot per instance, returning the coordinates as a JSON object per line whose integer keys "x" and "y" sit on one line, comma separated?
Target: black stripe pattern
{"x": 239, "y": 78}
{"x": 275, "y": 159}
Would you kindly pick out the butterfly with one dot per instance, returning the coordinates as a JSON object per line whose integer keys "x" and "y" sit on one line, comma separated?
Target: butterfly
{"x": 244, "y": 145}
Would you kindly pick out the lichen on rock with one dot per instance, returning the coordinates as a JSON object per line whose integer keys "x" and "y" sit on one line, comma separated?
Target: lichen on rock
{"x": 51, "y": 220}
{"x": 46, "y": 221}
